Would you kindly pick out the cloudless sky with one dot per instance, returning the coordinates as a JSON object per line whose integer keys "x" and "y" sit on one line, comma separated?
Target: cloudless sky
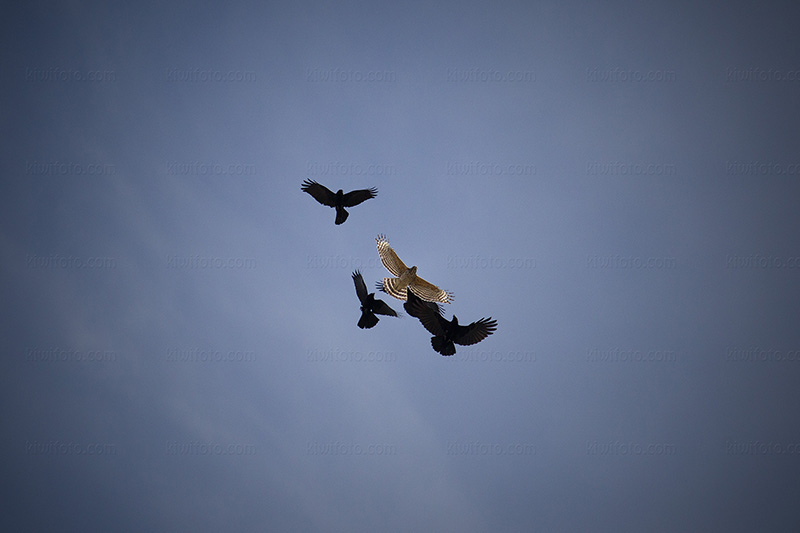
{"x": 615, "y": 184}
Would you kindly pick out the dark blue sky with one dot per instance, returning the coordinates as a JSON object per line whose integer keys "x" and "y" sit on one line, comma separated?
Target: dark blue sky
{"x": 617, "y": 185}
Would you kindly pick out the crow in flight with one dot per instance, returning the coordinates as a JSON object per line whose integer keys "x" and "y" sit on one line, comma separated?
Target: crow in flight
{"x": 446, "y": 333}
{"x": 406, "y": 277}
{"x": 369, "y": 305}
{"x": 339, "y": 200}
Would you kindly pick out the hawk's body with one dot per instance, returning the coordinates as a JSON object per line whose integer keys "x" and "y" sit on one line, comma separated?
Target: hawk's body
{"x": 337, "y": 200}
{"x": 447, "y": 333}
{"x": 407, "y": 277}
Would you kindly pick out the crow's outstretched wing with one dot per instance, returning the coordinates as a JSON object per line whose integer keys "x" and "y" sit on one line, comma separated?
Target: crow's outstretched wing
{"x": 430, "y": 317}
{"x": 320, "y": 193}
{"x": 435, "y": 307}
{"x": 475, "y": 332}
{"x": 382, "y": 308}
{"x": 356, "y": 197}
{"x": 361, "y": 287}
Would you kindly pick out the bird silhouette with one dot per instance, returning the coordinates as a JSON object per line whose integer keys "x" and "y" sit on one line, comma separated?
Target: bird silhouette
{"x": 337, "y": 200}
{"x": 406, "y": 277}
{"x": 447, "y": 333}
{"x": 369, "y": 304}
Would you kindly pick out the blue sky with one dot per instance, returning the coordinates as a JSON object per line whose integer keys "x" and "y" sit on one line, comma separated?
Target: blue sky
{"x": 615, "y": 184}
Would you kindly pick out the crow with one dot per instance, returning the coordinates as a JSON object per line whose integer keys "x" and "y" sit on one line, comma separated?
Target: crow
{"x": 369, "y": 305}
{"x": 446, "y": 333}
{"x": 339, "y": 200}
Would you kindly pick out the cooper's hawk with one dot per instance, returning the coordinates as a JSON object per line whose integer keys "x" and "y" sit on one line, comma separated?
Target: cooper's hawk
{"x": 446, "y": 333}
{"x": 369, "y": 304}
{"x": 407, "y": 277}
{"x": 339, "y": 200}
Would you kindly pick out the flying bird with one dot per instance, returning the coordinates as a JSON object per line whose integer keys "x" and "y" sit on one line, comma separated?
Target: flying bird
{"x": 447, "y": 333}
{"x": 369, "y": 304}
{"x": 407, "y": 277}
{"x": 413, "y": 309}
{"x": 337, "y": 200}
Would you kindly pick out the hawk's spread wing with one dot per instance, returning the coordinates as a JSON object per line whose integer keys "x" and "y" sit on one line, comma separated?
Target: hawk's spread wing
{"x": 394, "y": 288}
{"x": 430, "y": 292}
{"x": 430, "y": 305}
{"x": 356, "y": 197}
{"x": 389, "y": 259}
{"x": 320, "y": 193}
{"x": 475, "y": 332}
{"x": 361, "y": 287}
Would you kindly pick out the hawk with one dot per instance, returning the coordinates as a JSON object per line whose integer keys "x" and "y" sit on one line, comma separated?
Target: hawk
{"x": 447, "y": 333}
{"x": 339, "y": 200}
{"x": 407, "y": 277}
{"x": 369, "y": 304}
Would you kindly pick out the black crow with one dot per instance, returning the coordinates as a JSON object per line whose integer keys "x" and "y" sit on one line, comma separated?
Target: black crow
{"x": 446, "y": 333}
{"x": 339, "y": 200}
{"x": 369, "y": 305}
